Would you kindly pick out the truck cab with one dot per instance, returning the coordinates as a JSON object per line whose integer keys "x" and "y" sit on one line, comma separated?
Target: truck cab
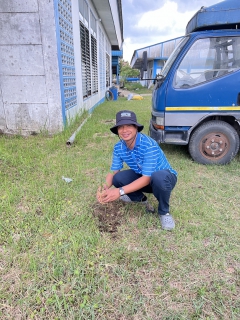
{"x": 196, "y": 98}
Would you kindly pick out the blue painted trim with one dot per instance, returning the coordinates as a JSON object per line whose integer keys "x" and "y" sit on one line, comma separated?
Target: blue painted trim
{"x": 117, "y": 53}
{"x": 176, "y": 128}
{"x": 60, "y": 60}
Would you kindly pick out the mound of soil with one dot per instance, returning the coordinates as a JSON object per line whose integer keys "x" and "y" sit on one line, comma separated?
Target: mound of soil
{"x": 109, "y": 215}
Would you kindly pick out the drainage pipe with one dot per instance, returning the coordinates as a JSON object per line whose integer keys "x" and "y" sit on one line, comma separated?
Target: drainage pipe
{"x": 73, "y": 136}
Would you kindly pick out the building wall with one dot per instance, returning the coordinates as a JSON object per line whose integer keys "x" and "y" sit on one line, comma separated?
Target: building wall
{"x": 33, "y": 89}
{"x": 29, "y": 76}
{"x": 90, "y": 102}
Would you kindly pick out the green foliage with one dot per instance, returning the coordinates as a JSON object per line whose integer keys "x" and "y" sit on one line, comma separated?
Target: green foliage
{"x": 134, "y": 86}
{"x": 56, "y": 264}
{"x": 126, "y": 71}
{"x": 137, "y": 88}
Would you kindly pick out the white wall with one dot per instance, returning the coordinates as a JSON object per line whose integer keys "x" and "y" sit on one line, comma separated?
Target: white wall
{"x": 30, "y": 90}
{"x": 29, "y": 78}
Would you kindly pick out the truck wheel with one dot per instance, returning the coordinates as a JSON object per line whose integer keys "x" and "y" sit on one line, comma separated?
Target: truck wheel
{"x": 214, "y": 142}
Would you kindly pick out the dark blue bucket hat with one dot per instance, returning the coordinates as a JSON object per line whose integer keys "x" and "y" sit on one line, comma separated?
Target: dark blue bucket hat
{"x": 126, "y": 117}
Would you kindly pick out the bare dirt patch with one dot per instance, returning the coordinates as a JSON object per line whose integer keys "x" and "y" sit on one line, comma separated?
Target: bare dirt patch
{"x": 109, "y": 216}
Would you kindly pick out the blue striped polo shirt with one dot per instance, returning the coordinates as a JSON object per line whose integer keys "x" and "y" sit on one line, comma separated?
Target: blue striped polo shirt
{"x": 145, "y": 158}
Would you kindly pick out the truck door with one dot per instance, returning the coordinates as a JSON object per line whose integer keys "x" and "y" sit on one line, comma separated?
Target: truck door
{"x": 206, "y": 80}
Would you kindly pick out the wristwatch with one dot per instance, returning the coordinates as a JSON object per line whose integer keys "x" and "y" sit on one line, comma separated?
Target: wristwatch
{"x": 121, "y": 191}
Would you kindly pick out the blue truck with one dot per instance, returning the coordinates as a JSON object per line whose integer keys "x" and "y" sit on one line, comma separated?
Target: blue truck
{"x": 196, "y": 98}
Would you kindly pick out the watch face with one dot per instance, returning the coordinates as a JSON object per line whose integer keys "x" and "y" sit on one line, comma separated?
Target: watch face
{"x": 121, "y": 191}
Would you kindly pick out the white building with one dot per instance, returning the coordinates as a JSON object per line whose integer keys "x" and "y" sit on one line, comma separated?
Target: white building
{"x": 55, "y": 60}
{"x": 157, "y": 55}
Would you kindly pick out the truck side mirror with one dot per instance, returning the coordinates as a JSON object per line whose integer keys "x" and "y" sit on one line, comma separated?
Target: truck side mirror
{"x": 144, "y": 64}
{"x": 144, "y": 60}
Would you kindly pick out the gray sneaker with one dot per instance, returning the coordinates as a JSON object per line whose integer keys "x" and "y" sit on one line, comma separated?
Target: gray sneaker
{"x": 125, "y": 198}
{"x": 148, "y": 206}
{"x": 167, "y": 222}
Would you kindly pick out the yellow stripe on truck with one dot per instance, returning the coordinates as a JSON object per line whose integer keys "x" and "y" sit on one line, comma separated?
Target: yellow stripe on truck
{"x": 203, "y": 108}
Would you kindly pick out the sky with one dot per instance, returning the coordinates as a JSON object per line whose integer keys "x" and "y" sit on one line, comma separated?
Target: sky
{"x": 147, "y": 22}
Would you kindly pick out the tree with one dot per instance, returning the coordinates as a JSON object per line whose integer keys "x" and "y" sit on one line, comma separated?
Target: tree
{"x": 126, "y": 71}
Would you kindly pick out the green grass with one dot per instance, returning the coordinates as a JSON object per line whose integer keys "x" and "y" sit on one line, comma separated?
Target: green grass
{"x": 54, "y": 262}
{"x": 137, "y": 87}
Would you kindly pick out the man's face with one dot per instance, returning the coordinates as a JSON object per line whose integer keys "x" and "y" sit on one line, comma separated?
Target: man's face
{"x": 127, "y": 132}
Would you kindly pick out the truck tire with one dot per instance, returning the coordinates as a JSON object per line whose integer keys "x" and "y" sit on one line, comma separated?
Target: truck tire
{"x": 214, "y": 142}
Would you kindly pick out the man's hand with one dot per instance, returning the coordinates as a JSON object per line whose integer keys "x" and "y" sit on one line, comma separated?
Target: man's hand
{"x": 107, "y": 195}
{"x": 105, "y": 186}
{"x": 110, "y": 195}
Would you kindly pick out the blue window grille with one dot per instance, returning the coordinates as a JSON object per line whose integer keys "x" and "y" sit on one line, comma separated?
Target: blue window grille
{"x": 64, "y": 30}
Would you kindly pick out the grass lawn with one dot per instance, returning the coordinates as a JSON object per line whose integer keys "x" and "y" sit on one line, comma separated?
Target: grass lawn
{"x": 57, "y": 261}
{"x": 136, "y": 88}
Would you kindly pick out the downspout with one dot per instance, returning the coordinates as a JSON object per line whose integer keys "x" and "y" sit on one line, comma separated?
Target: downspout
{"x": 73, "y": 136}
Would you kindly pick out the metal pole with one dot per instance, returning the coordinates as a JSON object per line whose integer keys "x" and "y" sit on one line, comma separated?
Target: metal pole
{"x": 73, "y": 136}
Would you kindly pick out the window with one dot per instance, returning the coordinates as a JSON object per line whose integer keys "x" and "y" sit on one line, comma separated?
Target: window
{"x": 93, "y": 25}
{"x": 108, "y": 52}
{"x": 85, "y": 59}
{"x": 83, "y": 11}
{"x": 208, "y": 59}
{"x": 107, "y": 70}
{"x": 101, "y": 59}
{"x": 173, "y": 56}
{"x": 94, "y": 64}
{"x": 88, "y": 50}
